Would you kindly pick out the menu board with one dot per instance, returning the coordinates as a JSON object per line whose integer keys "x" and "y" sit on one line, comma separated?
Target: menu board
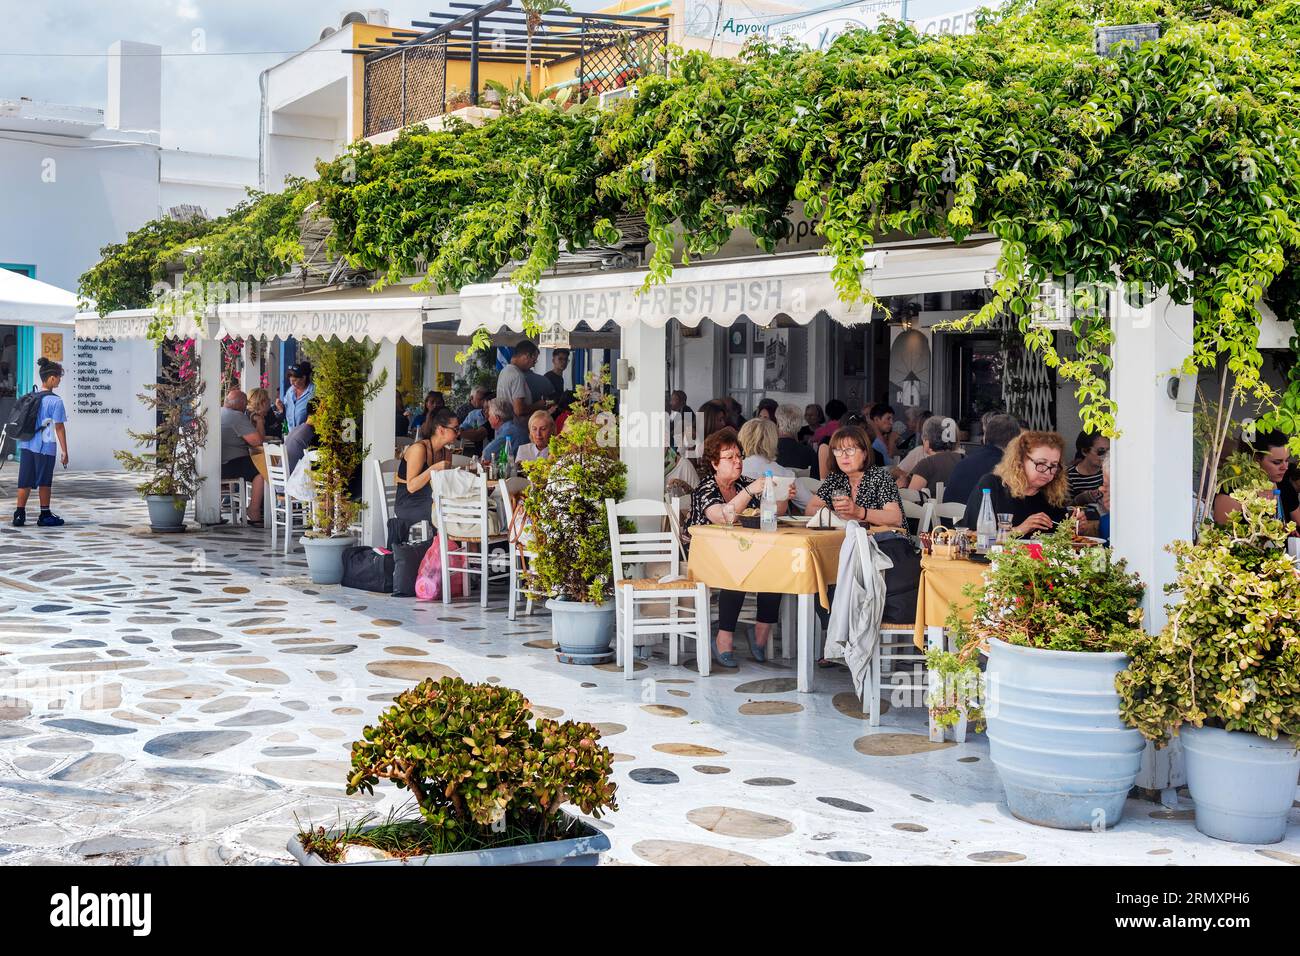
{"x": 98, "y": 384}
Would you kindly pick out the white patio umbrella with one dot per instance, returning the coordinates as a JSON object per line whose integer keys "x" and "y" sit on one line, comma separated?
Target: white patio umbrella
{"x": 25, "y": 301}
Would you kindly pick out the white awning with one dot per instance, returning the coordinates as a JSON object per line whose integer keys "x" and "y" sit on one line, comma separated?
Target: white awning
{"x": 376, "y": 318}
{"x": 27, "y": 301}
{"x": 131, "y": 324}
{"x": 758, "y": 289}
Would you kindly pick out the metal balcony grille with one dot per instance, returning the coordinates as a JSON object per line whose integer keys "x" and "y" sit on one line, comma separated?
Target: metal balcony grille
{"x": 406, "y": 86}
{"x": 615, "y": 55}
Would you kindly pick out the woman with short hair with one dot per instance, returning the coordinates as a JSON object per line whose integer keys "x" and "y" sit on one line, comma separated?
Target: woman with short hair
{"x": 725, "y": 487}
{"x": 855, "y": 489}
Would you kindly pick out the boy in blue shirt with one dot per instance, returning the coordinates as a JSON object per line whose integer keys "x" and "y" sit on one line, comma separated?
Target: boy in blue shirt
{"x": 36, "y": 467}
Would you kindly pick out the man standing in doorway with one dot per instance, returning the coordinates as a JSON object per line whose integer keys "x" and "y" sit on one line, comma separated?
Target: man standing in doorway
{"x": 559, "y": 363}
{"x": 512, "y": 383}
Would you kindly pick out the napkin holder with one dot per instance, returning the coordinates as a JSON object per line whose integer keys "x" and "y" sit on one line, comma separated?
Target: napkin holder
{"x": 824, "y": 518}
{"x": 950, "y": 543}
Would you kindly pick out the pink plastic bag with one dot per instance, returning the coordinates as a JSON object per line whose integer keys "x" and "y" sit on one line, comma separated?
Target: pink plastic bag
{"x": 428, "y": 581}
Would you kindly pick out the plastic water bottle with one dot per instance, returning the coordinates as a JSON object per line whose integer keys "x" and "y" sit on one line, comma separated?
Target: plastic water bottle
{"x": 1277, "y": 502}
{"x": 986, "y": 527}
{"x": 767, "y": 509}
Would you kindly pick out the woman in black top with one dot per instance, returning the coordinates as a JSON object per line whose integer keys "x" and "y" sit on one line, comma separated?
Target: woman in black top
{"x": 414, "y": 501}
{"x": 1029, "y": 484}
{"x": 722, "y": 488}
{"x": 1085, "y": 475}
{"x": 854, "y": 489}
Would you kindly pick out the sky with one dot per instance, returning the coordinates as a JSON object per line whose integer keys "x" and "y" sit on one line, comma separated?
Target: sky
{"x": 213, "y": 52}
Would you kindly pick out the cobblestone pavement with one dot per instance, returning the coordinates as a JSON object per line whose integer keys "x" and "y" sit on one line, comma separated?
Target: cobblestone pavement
{"x": 189, "y": 698}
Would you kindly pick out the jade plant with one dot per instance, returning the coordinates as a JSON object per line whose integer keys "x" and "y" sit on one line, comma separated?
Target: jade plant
{"x": 478, "y": 766}
{"x": 564, "y": 503}
{"x": 1229, "y": 656}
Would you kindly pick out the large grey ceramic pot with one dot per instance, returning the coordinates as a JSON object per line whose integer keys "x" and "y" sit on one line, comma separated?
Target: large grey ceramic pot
{"x": 166, "y": 512}
{"x": 1243, "y": 784}
{"x": 325, "y": 558}
{"x": 581, "y": 628}
{"x": 584, "y": 849}
{"x": 1065, "y": 757}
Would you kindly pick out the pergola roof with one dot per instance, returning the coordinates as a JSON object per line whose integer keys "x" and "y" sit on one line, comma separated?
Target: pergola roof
{"x": 500, "y": 33}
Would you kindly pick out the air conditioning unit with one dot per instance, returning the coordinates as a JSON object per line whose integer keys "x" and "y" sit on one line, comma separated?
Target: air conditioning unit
{"x": 612, "y": 97}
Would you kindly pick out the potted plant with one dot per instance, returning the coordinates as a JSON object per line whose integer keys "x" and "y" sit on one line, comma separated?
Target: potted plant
{"x": 171, "y": 463}
{"x": 564, "y": 510}
{"x": 341, "y": 374}
{"x": 1055, "y": 622}
{"x": 489, "y": 783}
{"x": 954, "y": 689}
{"x": 1224, "y": 674}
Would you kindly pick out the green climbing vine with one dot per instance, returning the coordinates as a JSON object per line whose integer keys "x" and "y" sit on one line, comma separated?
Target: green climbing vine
{"x": 1173, "y": 166}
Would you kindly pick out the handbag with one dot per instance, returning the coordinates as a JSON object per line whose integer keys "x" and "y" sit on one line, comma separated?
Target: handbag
{"x": 903, "y": 580}
{"x": 368, "y": 569}
{"x": 428, "y": 581}
{"x": 407, "y": 559}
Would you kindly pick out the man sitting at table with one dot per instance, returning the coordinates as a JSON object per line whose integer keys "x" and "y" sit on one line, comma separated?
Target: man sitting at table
{"x": 239, "y": 439}
{"x": 506, "y": 427}
{"x": 719, "y": 499}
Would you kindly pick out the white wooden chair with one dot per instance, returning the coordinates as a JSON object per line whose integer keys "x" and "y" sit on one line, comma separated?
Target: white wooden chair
{"x": 461, "y": 461}
{"x": 801, "y": 472}
{"x": 294, "y": 515}
{"x": 234, "y": 500}
{"x": 948, "y": 512}
{"x": 520, "y": 555}
{"x": 922, "y": 514}
{"x": 938, "y": 491}
{"x": 643, "y": 548}
{"x": 384, "y": 476}
{"x": 454, "y": 516}
{"x": 907, "y": 494}
{"x": 809, "y": 485}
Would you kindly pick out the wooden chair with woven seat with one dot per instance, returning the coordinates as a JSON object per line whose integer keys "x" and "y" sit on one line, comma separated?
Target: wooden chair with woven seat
{"x": 633, "y": 592}
{"x": 467, "y": 521}
{"x": 520, "y": 554}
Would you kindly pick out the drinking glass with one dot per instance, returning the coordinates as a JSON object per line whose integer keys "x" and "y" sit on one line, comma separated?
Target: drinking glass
{"x": 729, "y": 513}
{"x": 1004, "y": 527}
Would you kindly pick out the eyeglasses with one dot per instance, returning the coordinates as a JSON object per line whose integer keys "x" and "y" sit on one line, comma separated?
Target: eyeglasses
{"x": 1046, "y": 467}
{"x": 845, "y": 450}
{"x": 729, "y": 457}
{"x": 454, "y": 429}
{"x": 1102, "y": 452}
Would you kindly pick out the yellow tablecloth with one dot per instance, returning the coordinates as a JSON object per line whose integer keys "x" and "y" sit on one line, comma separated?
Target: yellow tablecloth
{"x": 789, "y": 561}
{"x": 942, "y": 581}
{"x": 259, "y": 462}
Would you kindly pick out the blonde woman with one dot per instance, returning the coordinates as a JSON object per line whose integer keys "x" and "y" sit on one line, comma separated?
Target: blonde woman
{"x": 263, "y": 414}
{"x": 759, "y": 438}
{"x": 1029, "y": 484}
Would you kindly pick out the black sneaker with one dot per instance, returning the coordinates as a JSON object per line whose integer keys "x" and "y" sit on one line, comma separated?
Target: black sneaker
{"x": 49, "y": 520}
{"x": 20, "y": 517}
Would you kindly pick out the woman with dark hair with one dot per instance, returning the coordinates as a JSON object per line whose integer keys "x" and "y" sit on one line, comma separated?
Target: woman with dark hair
{"x": 36, "y": 468}
{"x": 721, "y": 495}
{"x": 814, "y": 418}
{"x": 1273, "y": 455}
{"x": 414, "y": 501}
{"x": 1085, "y": 475}
{"x": 293, "y": 403}
{"x": 854, "y": 488}
{"x": 835, "y": 410}
{"x": 432, "y": 402}
{"x": 1029, "y": 484}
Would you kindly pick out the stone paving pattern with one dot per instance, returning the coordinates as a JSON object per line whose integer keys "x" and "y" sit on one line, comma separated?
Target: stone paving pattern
{"x": 190, "y": 698}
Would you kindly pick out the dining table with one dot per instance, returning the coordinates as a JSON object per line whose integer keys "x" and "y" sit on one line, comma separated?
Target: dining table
{"x": 794, "y": 559}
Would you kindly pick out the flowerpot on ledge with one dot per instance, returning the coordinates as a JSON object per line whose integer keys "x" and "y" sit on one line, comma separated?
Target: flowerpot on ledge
{"x": 325, "y": 557}
{"x": 582, "y": 847}
{"x": 166, "y": 512}
{"x": 1242, "y": 784}
{"x": 582, "y": 631}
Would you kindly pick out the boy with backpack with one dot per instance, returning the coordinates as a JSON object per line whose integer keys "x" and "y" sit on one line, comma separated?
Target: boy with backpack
{"x": 39, "y": 417}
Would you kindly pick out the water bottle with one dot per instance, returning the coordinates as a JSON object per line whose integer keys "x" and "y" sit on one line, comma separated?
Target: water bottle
{"x": 767, "y": 509}
{"x": 1277, "y": 502}
{"x": 986, "y": 528}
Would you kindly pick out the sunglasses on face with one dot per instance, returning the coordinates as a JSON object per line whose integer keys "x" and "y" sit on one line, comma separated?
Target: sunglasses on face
{"x": 1046, "y": 467}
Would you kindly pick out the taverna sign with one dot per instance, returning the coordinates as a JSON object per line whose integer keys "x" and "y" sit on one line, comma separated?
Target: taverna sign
{"x": 818, "y": 28}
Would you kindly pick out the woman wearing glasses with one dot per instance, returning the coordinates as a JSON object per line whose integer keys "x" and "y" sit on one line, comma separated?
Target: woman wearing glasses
{"x": 414, "y": 501}
{"x": 854, "y": 488}
{"x": 1029, "y": 484}
{"x": 1085, "y": 475}
{"x": 719, "y": 499}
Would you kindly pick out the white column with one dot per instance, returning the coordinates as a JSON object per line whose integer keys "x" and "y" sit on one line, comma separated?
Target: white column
{"x": 1151, "y": 481}
{"x": 1151, "y": 464}
{"x": 251, "y": 376}
{"x": 377, "y": 425}
{"x": 642, "y": 438}
{"x": 207, "y": 508}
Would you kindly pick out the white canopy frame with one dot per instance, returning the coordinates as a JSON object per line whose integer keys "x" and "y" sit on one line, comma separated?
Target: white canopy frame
{"x": 28, "y": 301}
